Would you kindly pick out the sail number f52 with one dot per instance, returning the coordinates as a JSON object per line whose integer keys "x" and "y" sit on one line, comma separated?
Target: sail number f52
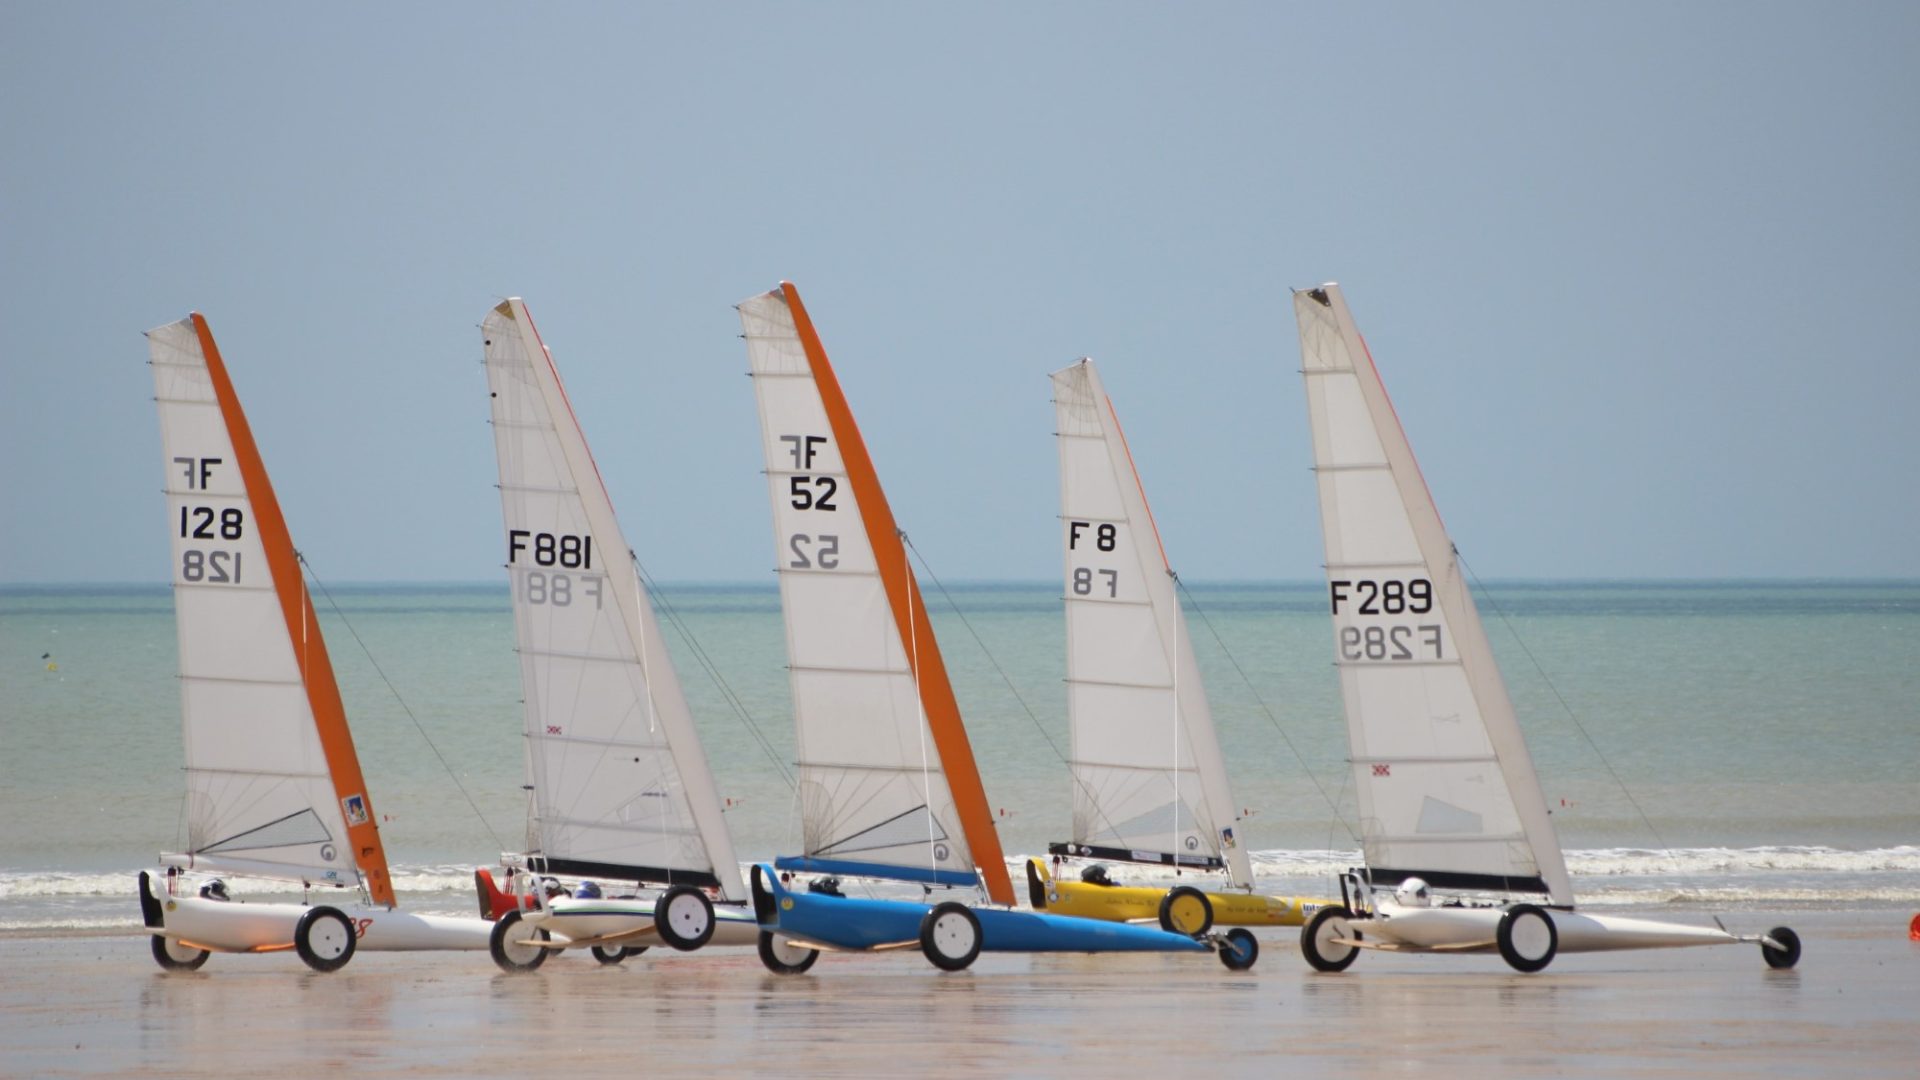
{"x": 1365, "y": 597}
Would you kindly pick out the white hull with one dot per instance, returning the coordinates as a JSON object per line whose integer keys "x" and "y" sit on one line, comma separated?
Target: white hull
{"x": 238, "y": 926}
{"x": 570, "y": 920}
{"x": 1464, "y": 929}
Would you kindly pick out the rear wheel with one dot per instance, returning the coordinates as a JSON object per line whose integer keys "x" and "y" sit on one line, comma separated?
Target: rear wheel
{"x": 950, "y": 936}
{"x": 1320, "y": 939}
{"x": 1784, "y": 957}
{"x": 607, "y": 955}
{"x": 511, "y": 947}
{"x": 324, "y": 938}
{"x": 1186, "y": 910}
{"x": 1527, "y": 938}
{"x": 684, "y": 917}
{"x": 783, "y": 957}
{"x": 175, "y": 955}
{"x": 1239, "y": 949}
{"x": 634, "y": 950}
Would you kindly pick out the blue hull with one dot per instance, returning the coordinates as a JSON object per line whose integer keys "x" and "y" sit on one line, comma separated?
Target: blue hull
{"x": 845, "y": 922}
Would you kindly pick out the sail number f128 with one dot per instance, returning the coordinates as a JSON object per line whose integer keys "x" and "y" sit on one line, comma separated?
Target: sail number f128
{"x": 1366, "y": 597}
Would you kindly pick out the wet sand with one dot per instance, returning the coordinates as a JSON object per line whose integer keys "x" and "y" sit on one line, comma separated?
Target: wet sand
{"x": 75, "y": 1006}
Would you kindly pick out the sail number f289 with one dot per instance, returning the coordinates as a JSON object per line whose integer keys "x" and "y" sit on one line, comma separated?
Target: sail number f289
{"x": 550, "y": 549}
{"x": 1382, "y": 597}
{"x": 1366, "y": 597}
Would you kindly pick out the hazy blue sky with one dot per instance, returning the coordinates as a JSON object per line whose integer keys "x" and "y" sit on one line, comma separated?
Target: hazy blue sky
{"x": 1640, "y": 277}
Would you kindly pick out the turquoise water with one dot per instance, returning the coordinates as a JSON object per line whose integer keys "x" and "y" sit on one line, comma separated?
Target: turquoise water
{"x": 1708, "y": 739}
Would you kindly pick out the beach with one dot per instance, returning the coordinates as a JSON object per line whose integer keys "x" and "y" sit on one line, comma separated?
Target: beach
{"x": 83, "y": 1005}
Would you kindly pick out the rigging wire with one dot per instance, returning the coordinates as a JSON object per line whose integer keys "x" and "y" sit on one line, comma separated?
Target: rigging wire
{"x": 404, "y": 707}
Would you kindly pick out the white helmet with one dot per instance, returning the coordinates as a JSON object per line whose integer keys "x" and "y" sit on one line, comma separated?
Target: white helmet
{"x": 1412, "y": 893}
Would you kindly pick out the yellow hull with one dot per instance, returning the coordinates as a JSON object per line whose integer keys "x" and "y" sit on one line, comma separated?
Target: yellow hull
{"x": 1131, "y": 903}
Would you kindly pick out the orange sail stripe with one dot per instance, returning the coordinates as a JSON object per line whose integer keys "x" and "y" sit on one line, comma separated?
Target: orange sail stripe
{"x": 309, "y": 648}
{"x": 903, "y": 594}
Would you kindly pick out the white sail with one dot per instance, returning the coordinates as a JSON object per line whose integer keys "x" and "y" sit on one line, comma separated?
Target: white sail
{"x": 621, "y": 786}
{"x": 1149, "y": 780}
{"x": 874, "y": 797}
{"x": 1446, "y": 786}
{"x": 260, "y": 794}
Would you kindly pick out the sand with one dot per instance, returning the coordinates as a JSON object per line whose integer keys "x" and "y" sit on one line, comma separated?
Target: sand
{"x": 73, "y": 1006}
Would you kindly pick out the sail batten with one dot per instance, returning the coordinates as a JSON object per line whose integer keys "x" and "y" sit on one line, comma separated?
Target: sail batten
{"x": 621, "y": 781}
{"x": 879, "y": 738}
{"x": 1446, "y": 786}
{"x": 1149, "y": 778}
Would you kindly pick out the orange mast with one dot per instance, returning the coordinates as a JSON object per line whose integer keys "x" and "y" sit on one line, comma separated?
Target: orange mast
{"x": 903, "y": 594}
{"x": 309, "y": 648}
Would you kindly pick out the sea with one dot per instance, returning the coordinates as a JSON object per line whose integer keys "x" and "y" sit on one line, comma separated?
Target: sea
{"x": 1703, "y": 745}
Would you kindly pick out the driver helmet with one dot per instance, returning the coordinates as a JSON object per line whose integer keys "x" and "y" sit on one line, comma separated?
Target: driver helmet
{"x": 215, "y": 890}
{"x": 1413, "y": 893}
{"x": 1096, "y": 875}
{"x": 587, "y": 891}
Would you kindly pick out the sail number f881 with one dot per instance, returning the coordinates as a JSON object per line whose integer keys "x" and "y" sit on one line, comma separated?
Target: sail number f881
{"x": 1388, "y": 642}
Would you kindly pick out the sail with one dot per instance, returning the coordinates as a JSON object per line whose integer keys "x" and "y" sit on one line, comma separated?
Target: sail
{"x": 887, "y": 783}
{"x": 1446, "y": 787}
{"x": 1150, "y": 784}
{"x": 273, "y": 784}
{"x": 621, "y": 787}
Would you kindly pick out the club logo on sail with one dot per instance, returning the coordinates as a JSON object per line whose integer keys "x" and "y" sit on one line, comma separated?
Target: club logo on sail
{"x": 1383, "y": 770}
{"x": 356, "y": 809}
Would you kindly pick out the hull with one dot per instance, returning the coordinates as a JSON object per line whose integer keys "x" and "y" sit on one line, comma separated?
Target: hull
{"x": 631, "y": 920}
{"x": 1464, "y": 929}
{"x": 239, "y": 926}
{"x": 859, "y": 924}
{"x": 1131, "y": 903}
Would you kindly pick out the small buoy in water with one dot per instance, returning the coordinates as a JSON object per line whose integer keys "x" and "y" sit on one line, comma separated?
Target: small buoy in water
{"x": 1913, "y": 929}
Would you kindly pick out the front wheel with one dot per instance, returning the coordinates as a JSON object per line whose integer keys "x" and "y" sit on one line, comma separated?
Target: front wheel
{"x": 950, "y": 936}
{"x": 684, "y": 917}
{"x": 1239, "y": 949}
{"x": 1186, "y": 910}
{"x": 511, "y": 948}
{"x": 1782, "y": 958}
{"x": 177, "y": 955}
{"x": 1527, "y": 938}
{"x": 324, "y": 938}
{"x": 1320, "y": 939}
{"x": 607, "y": 955}
{"x": 783, "y": 957}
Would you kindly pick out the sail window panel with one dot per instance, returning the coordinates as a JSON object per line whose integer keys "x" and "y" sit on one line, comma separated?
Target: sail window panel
{"x": 1408, "y": 817}
{"x": 223, "y": 809}
{"x": 862, "y": 720}
{"x": 841, "y": 621}
{"x": 1343, "y": 433}
{"x": 1364, "y": 520}
{"x": 249, "y": 726}
{"x": 1490, "y": 857}
{"x": 662, "y": 848}
{"x": 1112, "y": 643}
{"x": 1413, "y": 712}
{"x": 614, "y": 804}
{"x": 892, "y": 818}
{"x": 796, "y": 437}
{"x": 1128, "y": 726}
{"x": 1088, "y": 487}
{"x": 236, "y": 633}
{"x": 1138, "y": 811}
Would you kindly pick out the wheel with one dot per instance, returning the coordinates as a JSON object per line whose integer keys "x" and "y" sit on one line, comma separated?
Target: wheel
{"x": 506, "y": 944}
{"x": 324, "y": 938}
{"x": 175, "y": 956}
{"x": 950, "y": 936}
{"x": 1186, "y": 910}
{"x": 783, "y": 957}
{"x": 1239, "y": 949}
{"x": 1318, "y": 939}
{"x": 634, "y": 950}
{"x": 1527, "y": 938}
{"x": 607, "y": 955}
{"x": 684, "y": 917}
{"x": 1784, "y": 957}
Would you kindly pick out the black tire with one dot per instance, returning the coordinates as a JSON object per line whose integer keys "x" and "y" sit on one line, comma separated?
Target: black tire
{"x": 1182, "y": 907}
{"x": 504, "y": 944}
{"x": 174, "y": 956}
{"x": 324, "y": 937}
{"x": 1239, "y": 949}
{"x": 1781, "y": 959}
{"x": 1316, "y": 939}
{"x": 634, "y": 950}
{"x": 684, "y": 917}
{"x": 1527, "y": 938}
{"x": 607, "y": 955}
{"x": 783, "y": 958}
{"x": 950, "y": 936}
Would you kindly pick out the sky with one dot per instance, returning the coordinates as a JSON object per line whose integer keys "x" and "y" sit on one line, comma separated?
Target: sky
{"x": 1639, "y": 277}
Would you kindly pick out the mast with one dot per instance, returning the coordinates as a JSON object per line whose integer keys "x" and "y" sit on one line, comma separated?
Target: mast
{"x": 1447, "y": 787}
{"x": 622, "y": 787}
{"x": 1131, "y": 672}
{"x": 257, "y": 705}
{"x": 861, "y": 773}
